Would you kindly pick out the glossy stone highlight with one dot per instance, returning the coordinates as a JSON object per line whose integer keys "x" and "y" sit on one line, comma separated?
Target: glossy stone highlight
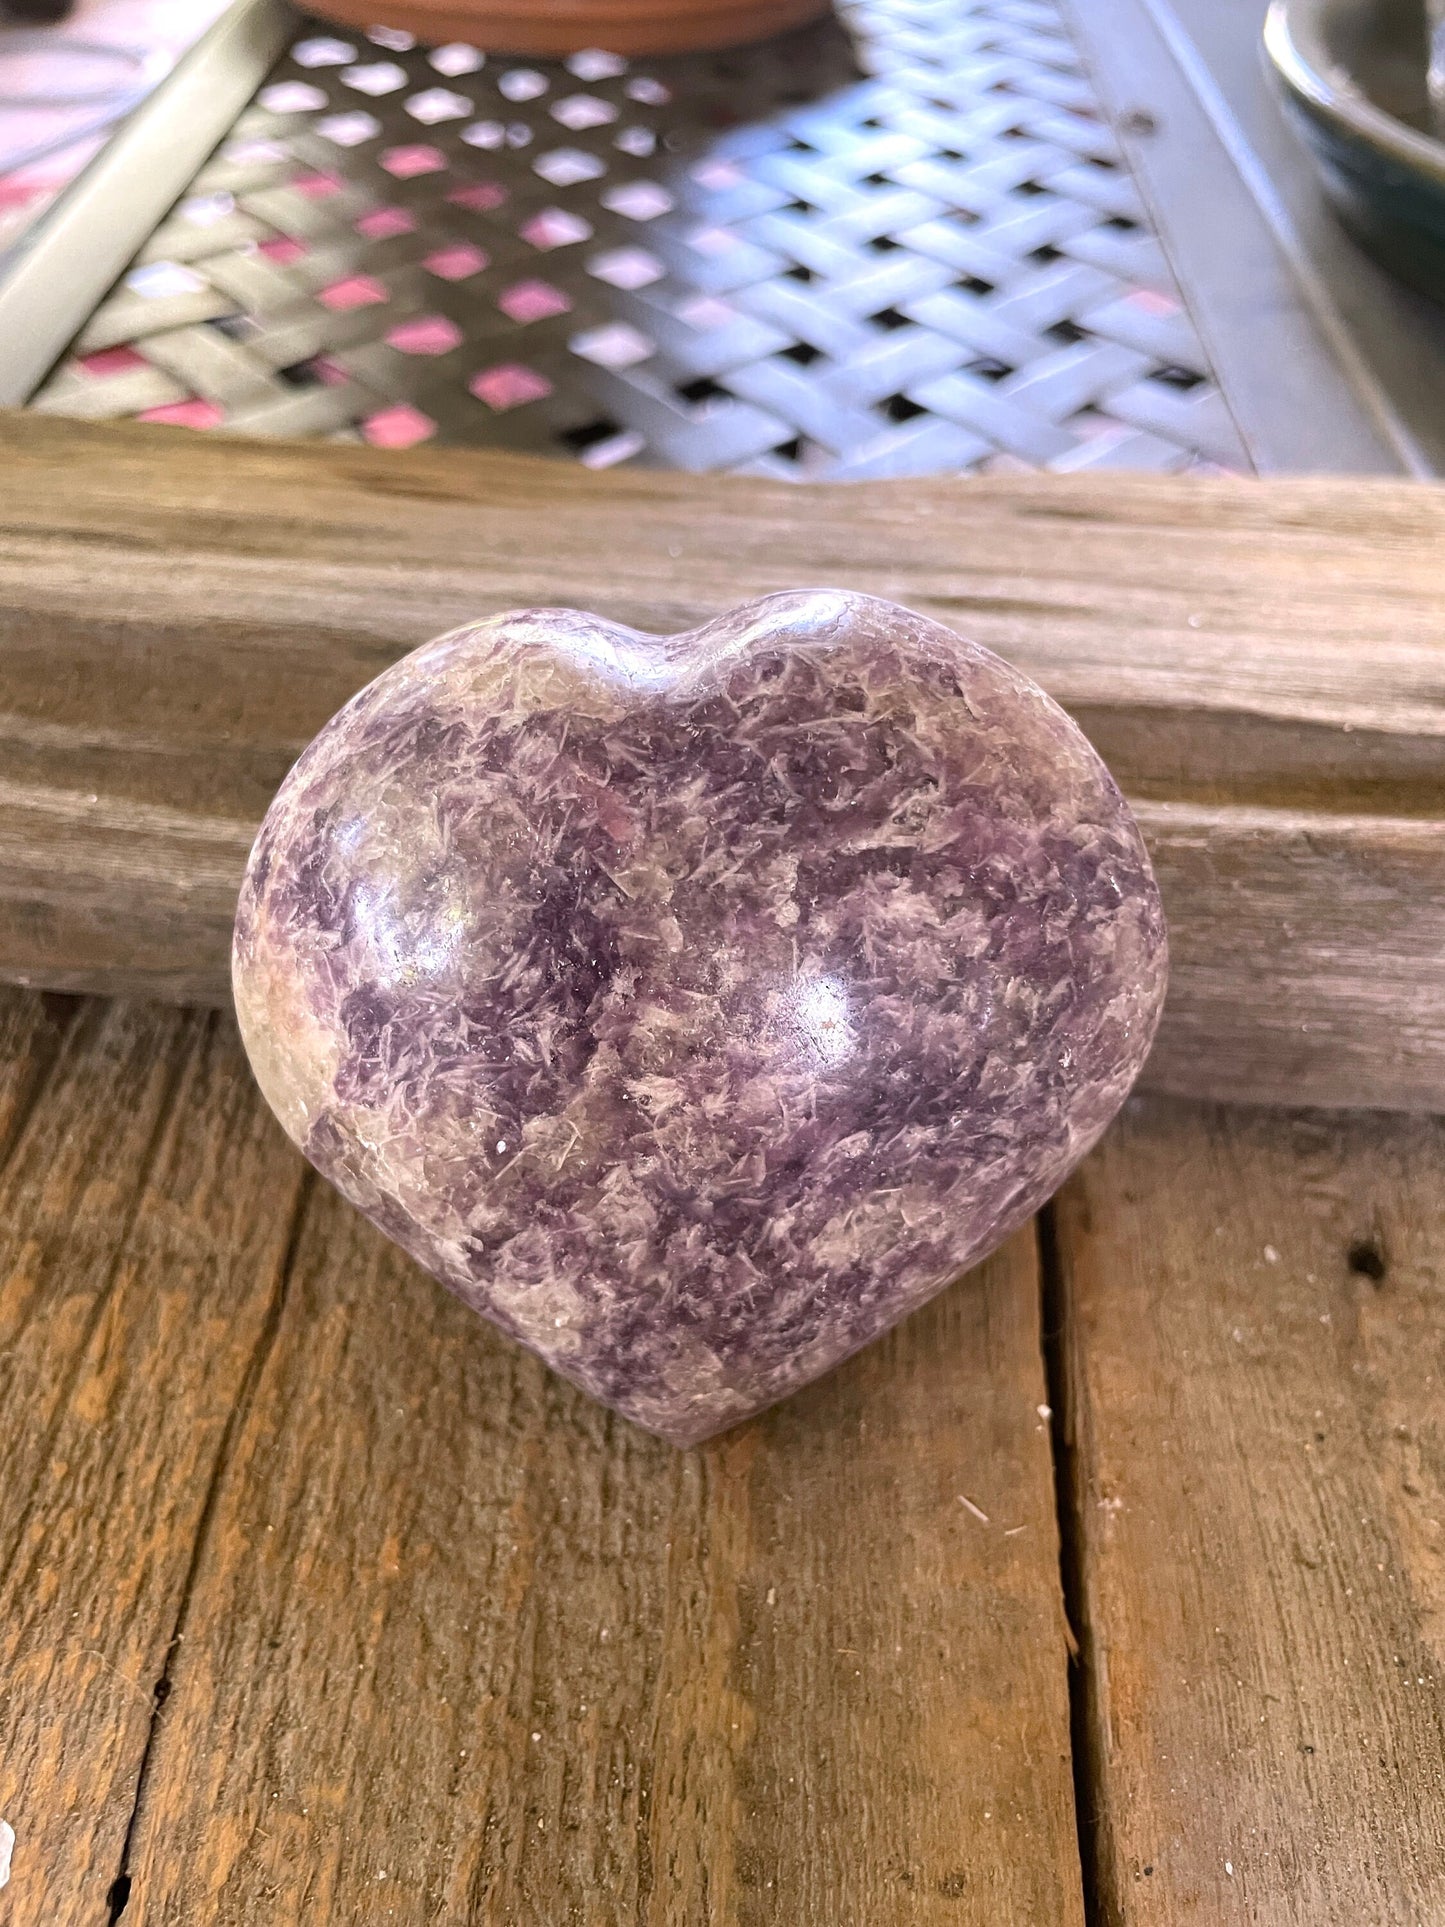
{"x": 697, "y": 1006}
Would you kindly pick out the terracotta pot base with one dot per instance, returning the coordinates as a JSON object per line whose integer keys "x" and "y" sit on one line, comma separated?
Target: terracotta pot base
{"x": 566, "y": 26}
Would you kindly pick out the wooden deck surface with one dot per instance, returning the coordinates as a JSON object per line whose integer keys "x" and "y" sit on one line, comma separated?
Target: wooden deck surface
{"x": 320, "y": 1603}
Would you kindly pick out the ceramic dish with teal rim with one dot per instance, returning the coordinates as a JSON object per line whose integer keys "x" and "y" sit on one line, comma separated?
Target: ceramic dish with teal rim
{"x": 1355, "y": 76}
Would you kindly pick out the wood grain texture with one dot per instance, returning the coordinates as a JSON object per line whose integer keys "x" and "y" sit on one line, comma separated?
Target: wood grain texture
{"x": 144, "y": 1207}
{"x": 321, "y": 1602}
{"x": 462, "y": 1647}
{"x": 1256, "y": 1410}
{"x": 1260, "y": 663}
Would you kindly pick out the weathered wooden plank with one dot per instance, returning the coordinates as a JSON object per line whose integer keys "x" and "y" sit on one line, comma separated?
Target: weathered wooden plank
{"x": 463, "y": 1647}
{"x": 1305, "y": 952}
{"x": 32, "y": 1029}
{"x": 1261, "y": 665}
{"x": 1253, "y": 1315}
{"x": 143, "y": 1219}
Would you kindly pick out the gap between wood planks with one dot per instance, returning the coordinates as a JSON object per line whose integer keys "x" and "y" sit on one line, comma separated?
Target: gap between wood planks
{"x": 190, "y": 1442}
{"x": 1243, "y": 1315}
{"x": 1084, "y": 1708}
{"x": 30, "y": 1092}
{"x": 1128, "y": 1281}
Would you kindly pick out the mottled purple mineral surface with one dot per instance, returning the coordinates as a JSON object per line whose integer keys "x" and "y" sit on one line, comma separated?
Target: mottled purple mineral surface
{"x": 697, "y": 1006}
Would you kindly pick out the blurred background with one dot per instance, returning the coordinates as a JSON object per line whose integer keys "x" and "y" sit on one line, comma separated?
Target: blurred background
{"x": 68, "y": 75}
{"x": 905, "y": 237}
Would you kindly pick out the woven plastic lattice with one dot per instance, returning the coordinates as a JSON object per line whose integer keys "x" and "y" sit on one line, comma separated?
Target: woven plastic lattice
{"x": 901, "y": 243}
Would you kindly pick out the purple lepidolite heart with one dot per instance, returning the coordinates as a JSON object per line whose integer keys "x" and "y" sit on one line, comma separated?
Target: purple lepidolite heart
{"x": 697, "y": 1006}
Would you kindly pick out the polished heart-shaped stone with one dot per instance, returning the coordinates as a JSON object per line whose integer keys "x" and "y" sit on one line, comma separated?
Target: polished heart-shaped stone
{"x": 696, "y": 1006}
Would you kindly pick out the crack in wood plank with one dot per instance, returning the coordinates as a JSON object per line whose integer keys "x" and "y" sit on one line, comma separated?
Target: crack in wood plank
{"x": 133, "y": 1231}
{"x": 118, "y": 1894}
{"x": 1058, "y": 1346}
{"x": 457, "y": 1628}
